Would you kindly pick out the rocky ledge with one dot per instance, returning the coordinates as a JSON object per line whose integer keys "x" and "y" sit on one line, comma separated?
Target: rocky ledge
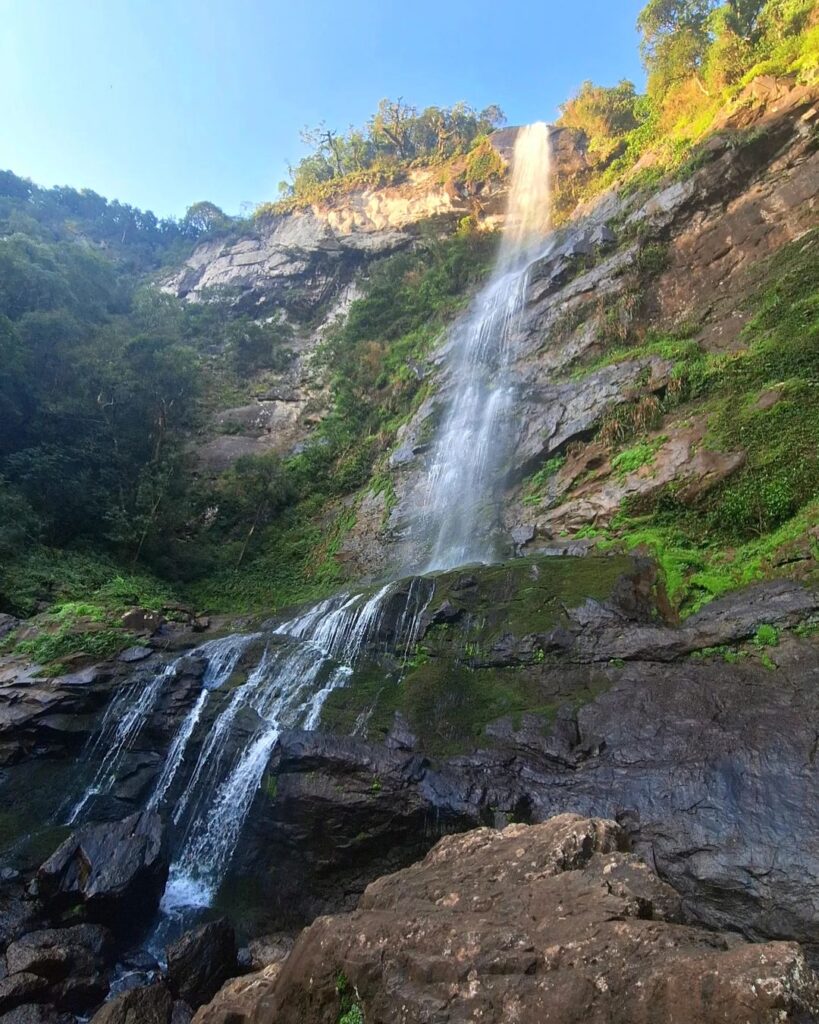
{"x": 552, "y": 922}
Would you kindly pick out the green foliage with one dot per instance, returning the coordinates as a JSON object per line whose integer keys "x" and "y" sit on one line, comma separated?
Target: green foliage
{"x": 40, "y": 575}
{"x": 604, "y": 115}
{"x": 761, "y": 400}
{"x": 632, "y": 459}
{"x": 350, "y": 1011}
{"x": 766, "y": 636}
{"x": 699, "y": 55}
{"x": 396, "y": 136}
{"x": 540, "y": 480}
{"x": 67, "y": 641}
{"x": 375, "y": 357}
{"x": 484, "y": 163}
{"x": 652, "y": 259}
{"x": 61, "y": 214}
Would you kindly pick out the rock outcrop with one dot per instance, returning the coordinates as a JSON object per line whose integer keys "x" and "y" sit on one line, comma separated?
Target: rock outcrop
{"x": 687, "y": 751}
{"x": 554, "y": 922}
{"x": 150, "y": 1004}
{"x": 69, "y": 963}
{"x": 201, "y": 961}
{"x": 112, "y": 873}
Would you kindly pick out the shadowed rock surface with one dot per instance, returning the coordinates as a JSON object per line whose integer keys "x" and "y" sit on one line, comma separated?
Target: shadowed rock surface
{"x": 201, "y": 961}
{"x": 112, "y": 873}
{"x": 151, "y": 1004}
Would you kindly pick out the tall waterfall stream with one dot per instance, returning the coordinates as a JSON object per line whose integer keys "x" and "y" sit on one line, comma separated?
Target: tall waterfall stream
{"x": 208, "y": 779}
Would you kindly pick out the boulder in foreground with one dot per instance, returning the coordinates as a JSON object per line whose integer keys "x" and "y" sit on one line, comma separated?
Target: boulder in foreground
{"x": 534, "y": 924}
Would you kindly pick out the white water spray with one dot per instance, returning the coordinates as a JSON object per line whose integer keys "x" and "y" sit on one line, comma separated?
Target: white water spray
{"x": 459, "y": 512}
{"x": 308, "y": 657}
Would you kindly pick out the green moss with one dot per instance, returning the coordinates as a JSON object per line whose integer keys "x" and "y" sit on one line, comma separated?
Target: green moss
{"x": 67, "y": 577}
{"x": 761, "y": 401}
{"x": 766, "y": 636}
{"x": 634, "y": 458}
{"x": 483, "y": 163}
{"x": 652, "y": 259}
{"x": 270, "y": 786}
{"x": 540, "y": 480}
{"x": 446, "y": 691}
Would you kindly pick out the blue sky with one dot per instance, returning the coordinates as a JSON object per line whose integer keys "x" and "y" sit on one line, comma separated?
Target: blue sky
{"x": 161, "y": 103}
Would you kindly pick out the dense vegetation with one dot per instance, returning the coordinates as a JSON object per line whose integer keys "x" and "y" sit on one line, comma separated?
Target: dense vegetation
{"x": 760, "y": 400}
{"x": 397, "y": 136}
{"x": 106, "y": 380}
{"x": 699, "y": 55}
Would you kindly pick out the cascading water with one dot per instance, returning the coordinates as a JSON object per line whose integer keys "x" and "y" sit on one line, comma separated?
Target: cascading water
{"x": 216, "y": 760}
{"x": 459, "y": 510}
{"x": 128, "y": 713}
{"x": 305, "y": 660}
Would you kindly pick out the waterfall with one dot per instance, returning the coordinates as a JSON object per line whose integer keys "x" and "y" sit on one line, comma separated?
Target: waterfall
{"x": 305, "y": 659}
{"x": 129, "y": 711}
{"x": 215, "y": 762}
{"x": 460, "y": 507}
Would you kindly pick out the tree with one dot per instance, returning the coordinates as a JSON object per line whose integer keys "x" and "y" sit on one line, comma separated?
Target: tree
{"x": 203, "y": 217}
{"x": 250, "y": 494}
{"x": 674, "y": 41}
{"x": 604, "y": 115}
{"x": 391, "y": 126}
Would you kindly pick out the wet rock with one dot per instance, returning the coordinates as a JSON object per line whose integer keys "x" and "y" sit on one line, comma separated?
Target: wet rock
{"x": 134, "y": 654}
{"x": 18, "y": 913}
{"x": 17, "y": 989}
{"x": 401, "y": 736}
{"x": 112, "y": 873}
{"x": 72, "y": 961}
{"x": 270, "y": 949}
{"x": 735, "y": 617}
{"x": 36, "y": 1013}
{"x": 8, "y": 623}
{"x": 151, "y": 1004}
{"x": 141, "y": 620}
{"x": 534, "y": 923}
{"x": 690, "y": 752}
{"x": 47, "y": 714}
{"x": 201, "y": 961}
{"x": 247, "y": 999}
{"x": 181, "y": 1013}
{"x": 56, "y": 952}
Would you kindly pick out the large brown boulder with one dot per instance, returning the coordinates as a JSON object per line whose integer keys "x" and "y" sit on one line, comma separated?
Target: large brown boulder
{"x": 534, "y": 924}
{"x": 113, "y": 873}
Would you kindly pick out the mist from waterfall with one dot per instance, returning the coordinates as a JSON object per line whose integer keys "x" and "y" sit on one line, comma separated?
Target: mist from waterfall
{"x": 459, "y": 515}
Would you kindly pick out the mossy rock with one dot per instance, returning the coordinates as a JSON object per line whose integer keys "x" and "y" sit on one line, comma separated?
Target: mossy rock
{"x": 444, "y": 688}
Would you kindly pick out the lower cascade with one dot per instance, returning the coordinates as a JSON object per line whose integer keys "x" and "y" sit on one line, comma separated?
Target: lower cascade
{"x": 207, "y": 798}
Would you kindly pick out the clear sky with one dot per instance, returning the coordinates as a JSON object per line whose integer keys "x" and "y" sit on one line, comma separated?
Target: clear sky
{"x": 161, "y": 103}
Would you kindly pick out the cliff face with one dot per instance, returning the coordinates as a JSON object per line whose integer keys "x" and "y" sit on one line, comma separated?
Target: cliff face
{"x": 680, "y": 261}
{"x": 304, "y": 266}
{"x": 302, "y": 260}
